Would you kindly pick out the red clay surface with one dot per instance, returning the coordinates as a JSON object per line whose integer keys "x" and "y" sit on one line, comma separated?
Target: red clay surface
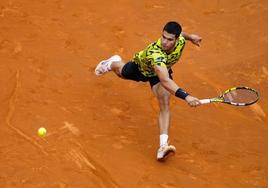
{"x": 102, "y": 131}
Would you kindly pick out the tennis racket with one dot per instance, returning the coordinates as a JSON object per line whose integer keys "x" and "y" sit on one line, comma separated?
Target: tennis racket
{"x": 238, "y": 96}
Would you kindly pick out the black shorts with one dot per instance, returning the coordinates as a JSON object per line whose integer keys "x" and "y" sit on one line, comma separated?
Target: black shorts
{"x": 131, "y": 71}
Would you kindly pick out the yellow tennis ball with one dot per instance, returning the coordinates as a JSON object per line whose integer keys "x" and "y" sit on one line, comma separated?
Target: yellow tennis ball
{"x": 42, "y": 132}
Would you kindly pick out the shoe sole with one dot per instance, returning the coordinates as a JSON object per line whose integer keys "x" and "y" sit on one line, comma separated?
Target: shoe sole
{"x": 96, "y": 69}
{"x": 167, "y": 154}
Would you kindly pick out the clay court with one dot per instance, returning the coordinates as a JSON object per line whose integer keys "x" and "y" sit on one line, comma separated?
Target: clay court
{"x": 102, "y": 131}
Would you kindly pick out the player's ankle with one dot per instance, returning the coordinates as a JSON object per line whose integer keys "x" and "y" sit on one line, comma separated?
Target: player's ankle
{"x": 163, "y": 139}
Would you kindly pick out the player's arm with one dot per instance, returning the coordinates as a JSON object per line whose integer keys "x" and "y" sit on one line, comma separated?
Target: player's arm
{"x": 172, "y": 87}
{"x": 195, "y": 39}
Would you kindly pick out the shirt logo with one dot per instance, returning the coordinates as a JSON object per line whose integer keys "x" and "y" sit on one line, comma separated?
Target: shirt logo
{"x": 159, "y": 59}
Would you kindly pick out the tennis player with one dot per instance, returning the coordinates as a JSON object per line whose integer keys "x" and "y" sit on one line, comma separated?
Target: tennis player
{"x": 153, "y": 65}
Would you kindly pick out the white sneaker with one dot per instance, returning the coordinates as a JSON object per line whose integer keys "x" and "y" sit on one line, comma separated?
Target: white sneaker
{"x": 105, "y": 65}
{"x": 164, "y": 151}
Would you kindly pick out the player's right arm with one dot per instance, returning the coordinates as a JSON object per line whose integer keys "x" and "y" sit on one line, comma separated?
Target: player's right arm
{"x": 165, "y": 81}
{"x": 172, "y": 87}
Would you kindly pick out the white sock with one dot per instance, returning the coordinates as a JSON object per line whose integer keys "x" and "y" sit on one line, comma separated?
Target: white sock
{"x": 163, "y": 139}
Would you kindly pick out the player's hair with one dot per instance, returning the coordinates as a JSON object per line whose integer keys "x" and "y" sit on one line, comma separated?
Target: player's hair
{"x": 173, "y": 28}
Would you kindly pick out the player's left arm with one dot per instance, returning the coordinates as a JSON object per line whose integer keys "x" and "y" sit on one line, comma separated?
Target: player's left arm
{"x": 195, "y": 39}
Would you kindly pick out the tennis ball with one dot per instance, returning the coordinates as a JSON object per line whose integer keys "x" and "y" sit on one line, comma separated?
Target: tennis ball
{"x": 42, "y": 132}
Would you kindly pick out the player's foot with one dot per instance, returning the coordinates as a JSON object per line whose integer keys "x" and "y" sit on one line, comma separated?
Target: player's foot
{"x": 164, "y": 151}
{"x": 105, "y": 65}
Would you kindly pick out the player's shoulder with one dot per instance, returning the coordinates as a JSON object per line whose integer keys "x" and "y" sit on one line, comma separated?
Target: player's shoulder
{"x": 155, "y": 47}
{"x": 181, "y": 40}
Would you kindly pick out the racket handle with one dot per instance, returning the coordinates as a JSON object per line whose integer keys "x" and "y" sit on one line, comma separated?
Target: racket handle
{"x": 205, "y": 101}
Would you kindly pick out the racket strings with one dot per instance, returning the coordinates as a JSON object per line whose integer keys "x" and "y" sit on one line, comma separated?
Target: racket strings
{"x": 241, "y": 96}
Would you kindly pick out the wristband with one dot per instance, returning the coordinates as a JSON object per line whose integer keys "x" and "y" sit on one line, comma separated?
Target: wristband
{"x": 180, "y": 93}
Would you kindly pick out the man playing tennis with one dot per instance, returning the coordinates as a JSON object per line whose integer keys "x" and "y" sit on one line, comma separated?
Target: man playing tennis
{"x": 153, "y": 64}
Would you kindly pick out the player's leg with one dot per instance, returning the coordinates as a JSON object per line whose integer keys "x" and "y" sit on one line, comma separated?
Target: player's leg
{"x": 129, "y": 71}
{"x": 163, "y": 97}
{"x": 117, "y": 67}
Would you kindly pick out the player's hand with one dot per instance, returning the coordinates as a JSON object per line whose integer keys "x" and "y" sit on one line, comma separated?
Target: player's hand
{"x": 192, "y": 101}
{"x": 195, "y": 39}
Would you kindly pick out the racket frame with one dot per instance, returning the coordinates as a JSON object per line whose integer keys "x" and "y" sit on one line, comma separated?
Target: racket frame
{"x": 221, "y": 98}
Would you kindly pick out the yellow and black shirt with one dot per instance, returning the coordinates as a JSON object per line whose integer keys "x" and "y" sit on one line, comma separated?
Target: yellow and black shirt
{"x": 154, "y": 55}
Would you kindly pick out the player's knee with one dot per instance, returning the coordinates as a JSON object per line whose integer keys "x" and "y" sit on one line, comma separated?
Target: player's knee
{"x": 164, "y": 96}
{"x": 164, "y": 101}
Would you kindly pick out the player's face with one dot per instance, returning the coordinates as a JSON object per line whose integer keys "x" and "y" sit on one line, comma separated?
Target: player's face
{"x": 168, "y": 41}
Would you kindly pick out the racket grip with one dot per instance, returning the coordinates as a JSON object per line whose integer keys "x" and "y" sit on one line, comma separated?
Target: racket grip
{"x": 205, "y": 101}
